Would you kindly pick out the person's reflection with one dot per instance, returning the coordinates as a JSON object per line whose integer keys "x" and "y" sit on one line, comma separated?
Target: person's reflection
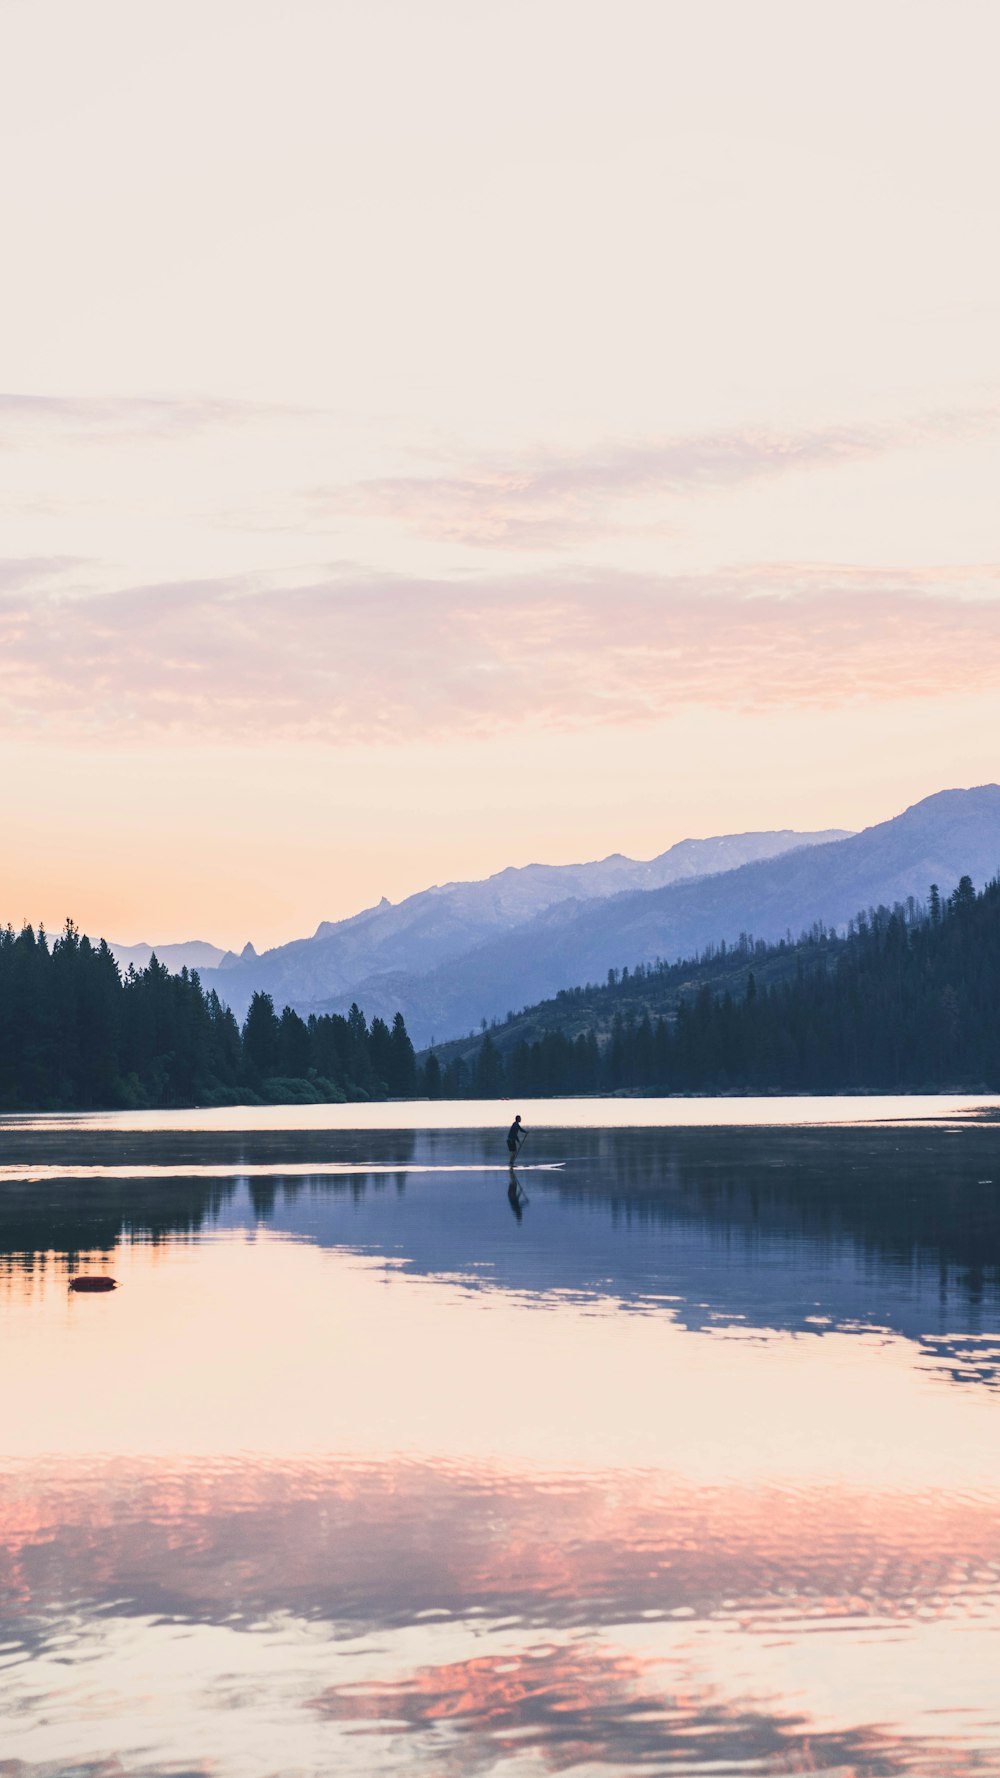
{"x": 515, "y": 1196}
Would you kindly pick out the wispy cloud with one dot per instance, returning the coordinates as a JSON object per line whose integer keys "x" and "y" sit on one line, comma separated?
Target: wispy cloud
{"x": 545, "y": 501}
{"x": 360, "y": 659}
{"x": 19, "y": 573}
{"x": 127, "y": 416}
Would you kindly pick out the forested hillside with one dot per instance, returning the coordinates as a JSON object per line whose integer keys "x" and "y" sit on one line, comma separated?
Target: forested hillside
{"x": 75, "y": 1033}
{"x": 934, "y": 841}
{"x": 908, "y": 999}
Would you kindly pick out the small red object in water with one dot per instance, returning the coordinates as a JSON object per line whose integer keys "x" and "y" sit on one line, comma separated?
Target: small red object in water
{"x": 90, "y": 1283}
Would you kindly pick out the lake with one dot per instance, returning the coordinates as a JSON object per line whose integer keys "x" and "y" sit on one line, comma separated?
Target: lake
{"x": 681, "y": 1455}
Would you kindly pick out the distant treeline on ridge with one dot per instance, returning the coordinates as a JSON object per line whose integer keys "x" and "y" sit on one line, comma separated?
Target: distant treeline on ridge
{"x": 908, "y": 999}
{"x": 75, "y": 1033}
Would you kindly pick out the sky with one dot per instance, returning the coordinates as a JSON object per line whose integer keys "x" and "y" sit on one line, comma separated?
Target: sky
{"x": 439, "y": 436}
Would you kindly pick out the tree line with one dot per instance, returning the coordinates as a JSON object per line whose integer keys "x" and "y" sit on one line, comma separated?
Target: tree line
{"x": 75, "y": 1034}
{"x": 908, "y": 998}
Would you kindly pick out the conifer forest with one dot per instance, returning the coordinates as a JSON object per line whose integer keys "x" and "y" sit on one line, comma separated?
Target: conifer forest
{"x": 75, "y": 1033}
{"x": 907, "y": 999}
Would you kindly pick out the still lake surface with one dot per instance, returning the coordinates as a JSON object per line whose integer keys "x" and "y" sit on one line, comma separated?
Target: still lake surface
{"x": 684, "y": 1458}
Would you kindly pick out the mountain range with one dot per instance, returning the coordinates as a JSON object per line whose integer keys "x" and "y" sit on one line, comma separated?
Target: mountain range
{"x": 345, "y": 958}
{"x": 938, "y": 840}
{"x": 194, "y": 953}
{"x": 453, "y": 955}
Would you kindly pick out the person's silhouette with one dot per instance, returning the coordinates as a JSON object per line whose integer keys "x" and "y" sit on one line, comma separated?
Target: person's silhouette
{"x": 515, "y": 1136}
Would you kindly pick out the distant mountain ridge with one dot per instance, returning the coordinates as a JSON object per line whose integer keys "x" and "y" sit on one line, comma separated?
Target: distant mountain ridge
{"x": 437, "y": 927}
{"x": 455, "y": 954}
{"x": 454, "y": 914}
{"x": 952, "y": 833}
{"x": 194, "y": 953}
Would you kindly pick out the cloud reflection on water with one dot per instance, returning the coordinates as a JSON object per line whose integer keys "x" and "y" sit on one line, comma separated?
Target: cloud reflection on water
{"x": 368, "y": 1546}
{"x": 663, "y": 1478}
{"x": 613, "y": 1619}
{"x": 597, "y": 1707}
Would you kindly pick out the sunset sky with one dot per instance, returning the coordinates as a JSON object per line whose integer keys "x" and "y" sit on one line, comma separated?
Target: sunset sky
{"x": 440, "y": 435}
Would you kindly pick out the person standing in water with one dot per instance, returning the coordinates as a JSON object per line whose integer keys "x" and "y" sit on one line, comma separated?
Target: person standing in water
{"x": 515, "y": 1136}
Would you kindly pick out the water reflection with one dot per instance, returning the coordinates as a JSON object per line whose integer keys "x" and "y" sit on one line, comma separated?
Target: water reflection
{"x": 603, "y": 1709}
{"x": 613, "y": 1619}
{"x": 690, "y": 1466}
{"x": 778, "y": 1229}
{"x": 517, "y": 1197}
{"x": 370, "y": 1547}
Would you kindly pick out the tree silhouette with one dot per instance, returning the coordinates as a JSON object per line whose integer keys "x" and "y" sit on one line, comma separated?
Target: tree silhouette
{"x": 75, "y": 1033}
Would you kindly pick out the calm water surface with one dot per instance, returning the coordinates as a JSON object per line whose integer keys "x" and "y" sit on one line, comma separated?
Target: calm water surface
{"x": 684, "y": 1458}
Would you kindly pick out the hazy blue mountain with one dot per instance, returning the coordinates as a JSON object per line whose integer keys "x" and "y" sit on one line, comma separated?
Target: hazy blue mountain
{"x": 232, "y": 959}
{"x": 194, "y": 953}
{"x": 430, "y": 930}
{"x": 937, "y": 840}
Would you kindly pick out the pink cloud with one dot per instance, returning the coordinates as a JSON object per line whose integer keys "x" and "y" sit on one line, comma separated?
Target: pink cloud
{"x": 363, "y": 659}
{"x": 18, "y": 573}
{"x": 546, "y": 501}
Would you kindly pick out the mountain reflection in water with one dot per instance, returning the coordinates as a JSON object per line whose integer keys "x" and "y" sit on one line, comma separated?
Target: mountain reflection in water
{"x": 690, "y": 1469}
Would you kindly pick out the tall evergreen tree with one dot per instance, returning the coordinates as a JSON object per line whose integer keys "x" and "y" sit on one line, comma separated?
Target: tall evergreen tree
{"x": 261, "y": 1037}
{"x": 402, "y": 1069}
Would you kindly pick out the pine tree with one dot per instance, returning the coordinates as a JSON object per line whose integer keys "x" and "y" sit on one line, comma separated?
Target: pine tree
{"x": 261, "y": 1038}
{"x": 402, "y": 1075}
